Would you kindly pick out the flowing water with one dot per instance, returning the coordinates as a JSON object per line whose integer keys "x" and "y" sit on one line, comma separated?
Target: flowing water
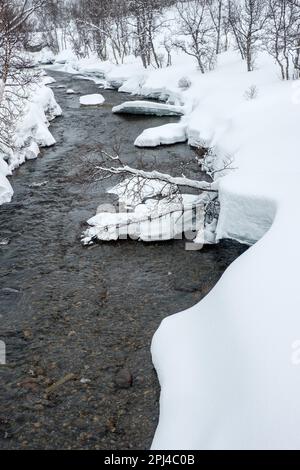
{"x": 78, "y": 322}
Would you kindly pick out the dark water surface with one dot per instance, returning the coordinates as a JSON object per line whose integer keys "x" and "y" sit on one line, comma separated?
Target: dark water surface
{"x": 82, "y": 319}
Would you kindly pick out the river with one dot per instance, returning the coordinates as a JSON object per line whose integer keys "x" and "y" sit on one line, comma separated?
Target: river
{"x": 78, "y": 322}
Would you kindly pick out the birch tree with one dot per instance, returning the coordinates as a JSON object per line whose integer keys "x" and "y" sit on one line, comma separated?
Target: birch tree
{"x": 247, "y": 19}
{"x": 282, "y": 37}
{"x": 197, "y": 32}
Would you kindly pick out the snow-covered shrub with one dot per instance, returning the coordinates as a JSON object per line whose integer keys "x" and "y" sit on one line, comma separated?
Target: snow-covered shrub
{"x": 184, "y": 83}
{"x": 251, "y": 93}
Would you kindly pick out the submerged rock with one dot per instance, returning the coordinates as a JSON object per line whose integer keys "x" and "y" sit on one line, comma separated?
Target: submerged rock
{"x": 9, "y": 290}
{"x": 148, "y": 108}
{"x": 124, "y": 378}
{"x": 38, "y": 185}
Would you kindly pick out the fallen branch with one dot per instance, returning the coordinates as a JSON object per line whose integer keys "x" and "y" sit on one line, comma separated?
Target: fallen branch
{"x": 156, "y": 175}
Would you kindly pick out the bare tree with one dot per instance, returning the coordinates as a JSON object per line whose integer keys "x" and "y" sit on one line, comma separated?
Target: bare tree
{"x": 197, "y": 33}
{"x": 102, "y": 27}
{"x": 216, "y": 12}
{"x": 147, "y": 22}
{"x": 54, "y": 23}
{"x": 247, "y": 19}
{"x": 282, "y": 37}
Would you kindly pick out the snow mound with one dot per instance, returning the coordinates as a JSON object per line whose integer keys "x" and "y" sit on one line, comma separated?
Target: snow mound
{"x": 32, "y": 131}
{"x": 42, "y": 109}
{"x": 92, "y": 100}
{"x": 45, "y": 57}
{"x": 148, "y": 108}
{"x": 162, "y": 135}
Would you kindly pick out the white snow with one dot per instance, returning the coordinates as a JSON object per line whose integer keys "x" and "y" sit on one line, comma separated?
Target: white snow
{"x": 41, "y": 109}
{"x": 162, "y": 135}
{"x": 6, "y": 191}
{"x": 148, "y": 108}
{"x": 91, "y": 100}
{"x": 48, "y": 80}
{"x": 70, "y": 91}
{"x": 225, "y": 365}
{"x": 45, "y": 57}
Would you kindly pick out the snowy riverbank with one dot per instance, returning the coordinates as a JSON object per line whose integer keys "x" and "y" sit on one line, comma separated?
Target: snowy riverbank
{"x": 228, "y": 366}
{"x": 31, "y": 133}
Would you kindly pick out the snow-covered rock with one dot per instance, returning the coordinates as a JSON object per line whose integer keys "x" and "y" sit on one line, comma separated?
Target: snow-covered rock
{"x": 148, "y": 108}
{"x": 48, "y": 80}
{"x": 162, "y": 135}
{"x": 70, "y": 91}
{"x": 92, "y": 100}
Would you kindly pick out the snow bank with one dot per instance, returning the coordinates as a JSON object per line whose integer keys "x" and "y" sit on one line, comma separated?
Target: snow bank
{"x": 32, "y": 131}
{"x": 227, "y": 366}
{"x": 162, "y": 135}
{"x": 91, "y": 100}
{"x": 148, "y": 108}
{"x": 6, "y": 191}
